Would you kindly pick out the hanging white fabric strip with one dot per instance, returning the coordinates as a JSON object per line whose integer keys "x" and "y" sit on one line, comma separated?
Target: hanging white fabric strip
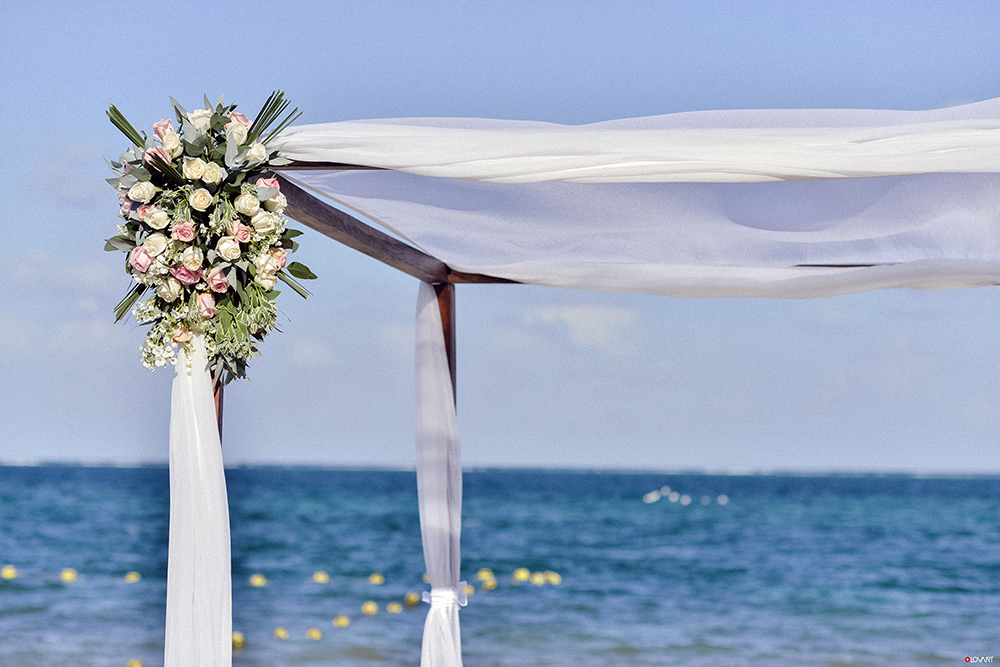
{"x": 199, "y": 584}
{"x": 439, "y": 486}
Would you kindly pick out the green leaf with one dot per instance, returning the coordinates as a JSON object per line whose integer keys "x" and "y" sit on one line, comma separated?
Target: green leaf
{"x": 288, "y": 280}
{"x": 119, "y": 243}
{"x": 301, "y": 271}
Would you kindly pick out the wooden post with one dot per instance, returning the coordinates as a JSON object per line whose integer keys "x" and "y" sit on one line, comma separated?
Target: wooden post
{"x": 218, "y": 391}
{"x": 446, "y": 303}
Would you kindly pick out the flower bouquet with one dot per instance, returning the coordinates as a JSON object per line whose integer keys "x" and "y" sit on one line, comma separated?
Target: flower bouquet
{"x": 204, "y": 232}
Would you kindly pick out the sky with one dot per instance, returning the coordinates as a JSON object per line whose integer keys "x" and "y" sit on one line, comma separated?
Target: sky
{"x": 892, "y": 381}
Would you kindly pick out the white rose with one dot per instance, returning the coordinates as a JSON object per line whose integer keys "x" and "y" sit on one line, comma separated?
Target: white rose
{"x": 267, "y": 281}
{"x": 200, "y": 118}
{"x": 172, "y": 144}
{"x": 257, "y": 152}
{"x": 247, "y": 204}
{"x": 200, "y": 199}
{"x": 213, "y": 173}
{"x": 228, "y": 248}
{"x": 236, "y": 132}
{"x": 277, "y": 203}
{"x": 155, "y": 244}
{"x": 142, "y": 191}
{"x": 193, "y": 168}
{"x": 262, "y": 221}
{"x": 192, "y": 257}
{"x": 169, "y": 289}
{"x": 157, "y": 219}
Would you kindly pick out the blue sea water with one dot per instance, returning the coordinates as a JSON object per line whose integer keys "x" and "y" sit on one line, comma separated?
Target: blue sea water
{"x": 791, "y": 571}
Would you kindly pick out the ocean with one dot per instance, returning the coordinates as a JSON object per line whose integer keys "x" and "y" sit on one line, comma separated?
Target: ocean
{"x": 653, "y": 569}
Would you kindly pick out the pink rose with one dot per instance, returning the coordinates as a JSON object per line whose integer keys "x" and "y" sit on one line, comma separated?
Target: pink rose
{"x": 181, "y": 334}
{"x": 162, "y": 127}
{"x": 140, "y": 259}
{"x": 239, "y": 118}
{"x": 126, "y": 206}
{"x": 268, "y": 183}
{"x": 148, "y": 154}
{"x": 206, "y": 305}
{"x": 186, "y": 275}
{"x": 217, "y": 280}
{"x": 183, "y": 231}
{"x": 279, "y": 256}
{"x": 239, "y": 231}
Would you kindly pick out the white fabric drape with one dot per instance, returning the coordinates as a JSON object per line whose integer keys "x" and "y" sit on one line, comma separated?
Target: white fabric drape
{"x": 706, "y": 146}
{"x": 439, "y": 486}
{"x": 698, "y": 204}
{"x": 199, "y": 584}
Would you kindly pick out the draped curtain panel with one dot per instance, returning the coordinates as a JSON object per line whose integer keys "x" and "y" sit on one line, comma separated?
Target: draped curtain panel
{"x": 199, "y": 583}
{"x": 439, "y": 486}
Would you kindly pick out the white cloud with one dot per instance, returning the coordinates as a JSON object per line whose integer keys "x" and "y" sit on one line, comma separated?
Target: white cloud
{"x": 312, "y": 352}
{"x": 603, "y": 328}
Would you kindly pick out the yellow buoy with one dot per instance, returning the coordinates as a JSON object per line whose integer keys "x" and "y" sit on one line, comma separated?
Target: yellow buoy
{"x": 132, "y": 577}
{"x": 369, "y": 608}
{"x": 8, "y": 572}
{"x": 376, "y": 578}
{"x": 552, "y": 577}
{"x": 537, "y": 578}
{"x": 485, "y": 574}
{"x": 281, "y": 633}
{"x": 427, "y": 578}
{"x": 238, "y": 640}
{"x": 411, "y": 599}
{"x": 490, "y": 585}
{"x": 341, "y": 622}
{"x": 522, "y": 574}
{"x": 321, "y": 577}
{"x": 314, "y": 633}
{"x": 134, "y": 663}
{"x": 469, "y": 591}
{"x": 68, "y": 575}
{"x": 258, "y": 580}
{"x": 394, "y": 608}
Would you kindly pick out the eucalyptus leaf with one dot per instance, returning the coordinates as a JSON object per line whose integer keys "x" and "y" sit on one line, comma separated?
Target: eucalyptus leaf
{"x": 301, "y": 271}
{"x": 264, "y": 193}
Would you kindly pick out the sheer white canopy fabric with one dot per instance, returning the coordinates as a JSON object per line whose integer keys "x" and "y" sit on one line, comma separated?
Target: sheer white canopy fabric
{"x": 439, "y": 486}
{"x": 199, "y": 584}
{"x": 578, "y": 206}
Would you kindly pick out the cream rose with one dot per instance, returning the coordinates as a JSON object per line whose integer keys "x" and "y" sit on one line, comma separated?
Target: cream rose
{"x": 228, "y": 248}
{"x": 257, "y": 152}
{"x": 192, "y": 258}
{"x": 262, "y": 221}
{"x": 213, "y": 173}
{"x": 200, "y": 118}
{"x": 236, "y": 132}
{"x": 157, "y": 218}
{"x": 247, "y": 204}
{"x": 170, "y": 289}
{"x": 193, "y": 168}
{"x": 172, "y": 144}
{"x": 200, "y": 199}
{"x": 142, "y": 191}
{"x": 277, "y": 203}
{"x": 266, "y": 280}
{"x": 155, "y": 244}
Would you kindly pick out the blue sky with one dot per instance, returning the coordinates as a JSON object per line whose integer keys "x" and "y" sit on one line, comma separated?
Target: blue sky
{"x": 887, "y": 381}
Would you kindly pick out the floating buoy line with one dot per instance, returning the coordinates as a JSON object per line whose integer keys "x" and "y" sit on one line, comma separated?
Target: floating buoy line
{"x": 411, "y": 600}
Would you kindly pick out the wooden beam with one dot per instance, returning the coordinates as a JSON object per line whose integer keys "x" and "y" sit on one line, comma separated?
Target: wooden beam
{"x": 345, "y": 228}
{"x": 446, "y": 304}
